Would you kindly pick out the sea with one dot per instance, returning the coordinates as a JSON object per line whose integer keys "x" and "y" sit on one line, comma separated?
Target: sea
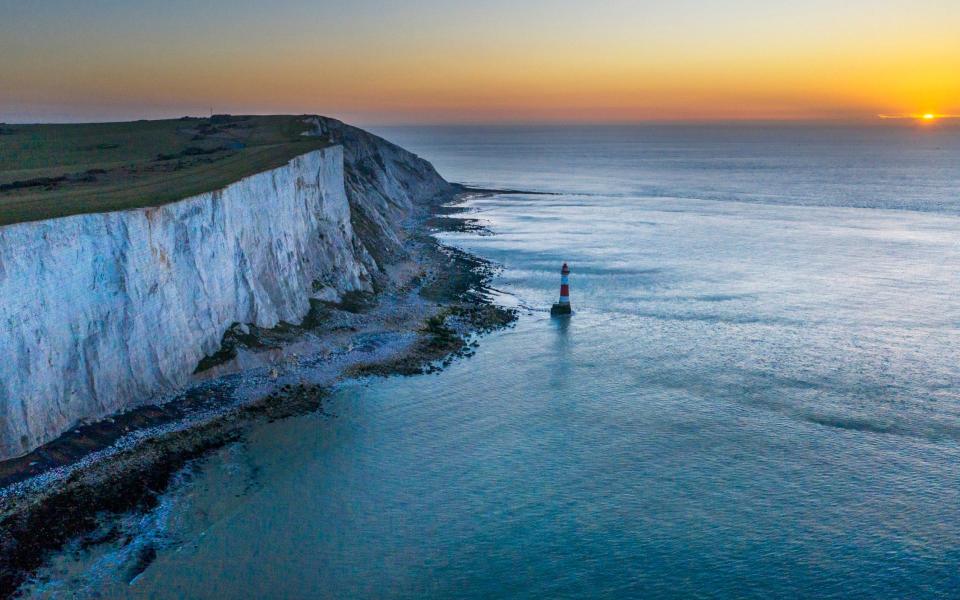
{"x": 757, "y": 396}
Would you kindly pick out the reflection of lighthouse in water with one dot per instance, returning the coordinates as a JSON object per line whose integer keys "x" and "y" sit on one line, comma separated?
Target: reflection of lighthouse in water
{"x": 563, "y": 306}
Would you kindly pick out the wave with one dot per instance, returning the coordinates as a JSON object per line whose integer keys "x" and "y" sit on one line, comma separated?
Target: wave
{"x": 928, "y": 430}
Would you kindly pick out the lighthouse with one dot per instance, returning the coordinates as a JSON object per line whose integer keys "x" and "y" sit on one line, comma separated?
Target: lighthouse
{"x": 563, "y": 306}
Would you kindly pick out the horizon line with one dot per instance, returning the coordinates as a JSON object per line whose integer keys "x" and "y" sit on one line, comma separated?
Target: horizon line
{"x": 875, "y": 119}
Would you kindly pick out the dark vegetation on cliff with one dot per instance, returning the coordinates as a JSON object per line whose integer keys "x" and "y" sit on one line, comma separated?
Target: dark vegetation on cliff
{"x": 49, "y": 171}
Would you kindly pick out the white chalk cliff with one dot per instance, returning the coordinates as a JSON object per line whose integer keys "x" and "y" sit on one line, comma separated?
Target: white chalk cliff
{"x": 107, "y": 311}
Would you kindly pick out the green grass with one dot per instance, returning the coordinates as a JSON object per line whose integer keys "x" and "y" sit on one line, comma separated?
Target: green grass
{"x": 49, "y": 171}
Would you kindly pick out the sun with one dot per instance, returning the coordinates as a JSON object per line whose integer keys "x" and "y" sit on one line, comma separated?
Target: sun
{"x": 929, "y": 117}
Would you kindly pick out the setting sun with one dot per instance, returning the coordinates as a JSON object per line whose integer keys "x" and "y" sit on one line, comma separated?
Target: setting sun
{"x": 929, "y": 117}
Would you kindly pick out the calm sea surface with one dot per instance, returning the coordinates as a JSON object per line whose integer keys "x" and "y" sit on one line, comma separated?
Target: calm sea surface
{"x": 758, "y": 395}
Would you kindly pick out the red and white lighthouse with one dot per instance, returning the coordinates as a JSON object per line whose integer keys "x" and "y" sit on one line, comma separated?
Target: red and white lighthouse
{"x": 563, "y": 306}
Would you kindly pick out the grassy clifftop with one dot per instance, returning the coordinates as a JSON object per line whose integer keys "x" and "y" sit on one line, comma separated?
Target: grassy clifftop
{"x": 49, "y": 171}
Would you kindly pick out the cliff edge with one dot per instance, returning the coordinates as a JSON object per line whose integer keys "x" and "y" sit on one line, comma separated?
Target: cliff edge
{"x": 106, "y": 311}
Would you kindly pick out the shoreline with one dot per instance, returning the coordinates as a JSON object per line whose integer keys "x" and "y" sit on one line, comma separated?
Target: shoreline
{"x": 428, "y": 316}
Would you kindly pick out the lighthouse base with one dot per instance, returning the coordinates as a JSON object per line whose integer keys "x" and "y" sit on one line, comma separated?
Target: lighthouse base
{"x": 559, "y": 310}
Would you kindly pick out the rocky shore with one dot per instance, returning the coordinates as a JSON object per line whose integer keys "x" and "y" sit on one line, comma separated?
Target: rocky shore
{"x": 425, "y": 306}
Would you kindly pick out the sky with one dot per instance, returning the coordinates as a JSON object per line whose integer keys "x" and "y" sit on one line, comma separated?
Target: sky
{"x": 423, "y": 61}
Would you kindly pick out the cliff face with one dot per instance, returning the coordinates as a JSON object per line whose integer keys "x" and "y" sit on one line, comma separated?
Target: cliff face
{"x": 102, "y": 312}
{"x": 384, "y": 185}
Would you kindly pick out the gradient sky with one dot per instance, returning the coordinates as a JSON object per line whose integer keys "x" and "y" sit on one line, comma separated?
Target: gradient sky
{"x": 499, "y": 60}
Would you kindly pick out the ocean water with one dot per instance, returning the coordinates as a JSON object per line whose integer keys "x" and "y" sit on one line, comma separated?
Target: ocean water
{"x": 758, "y": 395}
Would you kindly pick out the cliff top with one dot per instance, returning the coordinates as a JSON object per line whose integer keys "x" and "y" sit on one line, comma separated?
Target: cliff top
{"x": 49, "y": 171}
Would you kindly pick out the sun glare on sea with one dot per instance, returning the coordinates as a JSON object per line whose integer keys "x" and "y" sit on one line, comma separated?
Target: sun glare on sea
{"x": 920, "y": 117}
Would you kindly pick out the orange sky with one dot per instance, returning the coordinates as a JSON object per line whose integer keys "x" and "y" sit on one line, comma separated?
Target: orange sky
{"x": 425, "y": 60}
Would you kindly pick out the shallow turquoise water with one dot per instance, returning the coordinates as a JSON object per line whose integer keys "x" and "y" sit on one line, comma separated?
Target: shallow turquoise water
{"x": 755, "y": 398}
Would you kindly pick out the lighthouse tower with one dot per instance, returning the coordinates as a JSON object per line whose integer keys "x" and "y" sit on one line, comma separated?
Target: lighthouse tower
{"x": 563, "y": 306}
